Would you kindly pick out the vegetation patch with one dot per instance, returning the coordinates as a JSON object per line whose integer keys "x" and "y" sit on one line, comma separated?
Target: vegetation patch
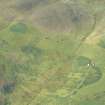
{"x": 18, "y": 28}
{"x": 83, "y": 61}
{"x": 94, "y": 75}
{"x": 102, "y": 43}
{"x": 29, "y": 49}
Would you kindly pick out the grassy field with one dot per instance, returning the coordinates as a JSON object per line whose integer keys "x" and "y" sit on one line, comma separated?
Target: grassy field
{"x": 52, "y": 52}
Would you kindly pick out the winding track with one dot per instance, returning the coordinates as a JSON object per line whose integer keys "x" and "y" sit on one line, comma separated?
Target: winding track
{"x": 97, "y": 32}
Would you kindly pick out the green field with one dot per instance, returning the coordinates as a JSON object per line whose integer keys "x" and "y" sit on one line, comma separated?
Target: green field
{"x": 52, "y": 52}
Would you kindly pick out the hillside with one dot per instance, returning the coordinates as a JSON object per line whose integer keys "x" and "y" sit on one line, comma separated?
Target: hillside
{"x": 52, "y": 52}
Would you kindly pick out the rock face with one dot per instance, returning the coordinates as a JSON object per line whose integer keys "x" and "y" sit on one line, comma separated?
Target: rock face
{"x": 27, "y": 5}
{"x": 56, "y": 16}
{"x": 64, "y": 18}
